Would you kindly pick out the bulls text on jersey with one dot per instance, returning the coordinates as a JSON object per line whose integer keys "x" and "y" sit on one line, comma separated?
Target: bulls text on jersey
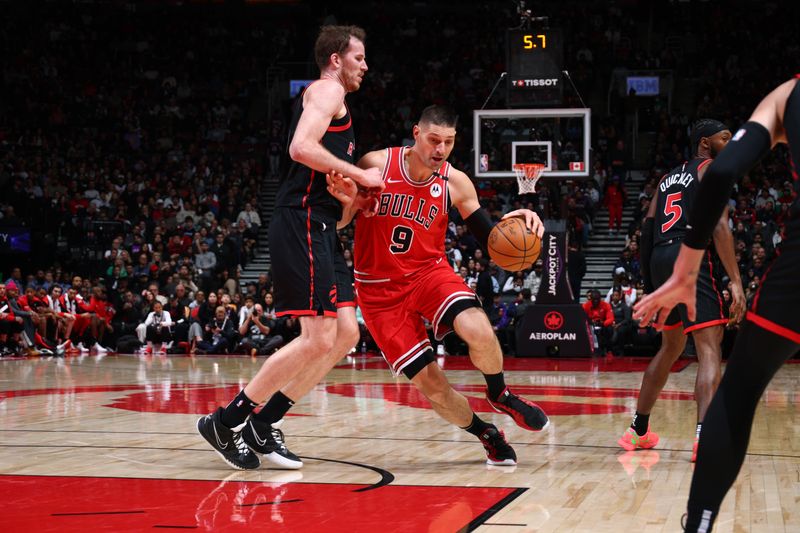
{"x": 407, "y": 206}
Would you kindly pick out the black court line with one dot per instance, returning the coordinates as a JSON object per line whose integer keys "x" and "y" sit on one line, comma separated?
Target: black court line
{"x": 97, "y": 513}
{"x": 278, "y": 502}
{"x": 494, "y": 509}
{"x": 397, "y": 439}
{"x": 386, "y": 476}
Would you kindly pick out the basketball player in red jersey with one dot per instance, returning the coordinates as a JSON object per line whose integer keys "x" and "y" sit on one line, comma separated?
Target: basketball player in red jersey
{"x": 771, "y": 332}
{"x": 663, "y": 229}
{"x": 403, "y": 277}
{"x": 310, "y": 276}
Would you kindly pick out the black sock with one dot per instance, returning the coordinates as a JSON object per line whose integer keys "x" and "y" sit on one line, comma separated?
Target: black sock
{"x": 477, "y": 426}
{"x": 276, "y": 408}
{"x": 496, "y": 384}
{"x": 237, "y": 411}
{"x": 640, "y": 423}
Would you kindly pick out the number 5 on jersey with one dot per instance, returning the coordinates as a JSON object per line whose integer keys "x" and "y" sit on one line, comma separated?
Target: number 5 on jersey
{"x": 401, "y": 239}
{"x": 673, "y": 210}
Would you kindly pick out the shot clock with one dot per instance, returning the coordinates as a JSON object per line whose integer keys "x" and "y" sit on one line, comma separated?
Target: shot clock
{"x": 534, "y": 65}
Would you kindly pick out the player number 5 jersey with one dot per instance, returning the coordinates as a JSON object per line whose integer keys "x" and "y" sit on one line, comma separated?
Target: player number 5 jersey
{"x": 407, "y": 232}
{"x": 676, "y": 194}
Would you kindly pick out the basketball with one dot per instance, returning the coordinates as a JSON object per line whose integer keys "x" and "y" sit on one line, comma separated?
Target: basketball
{"x": 512, "y": 246}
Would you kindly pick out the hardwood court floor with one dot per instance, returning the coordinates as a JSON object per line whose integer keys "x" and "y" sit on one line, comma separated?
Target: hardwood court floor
{"x": 110, "y": 445}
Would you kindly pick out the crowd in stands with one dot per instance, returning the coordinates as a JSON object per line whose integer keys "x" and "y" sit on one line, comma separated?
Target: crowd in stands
{"x": 134, "y": 146}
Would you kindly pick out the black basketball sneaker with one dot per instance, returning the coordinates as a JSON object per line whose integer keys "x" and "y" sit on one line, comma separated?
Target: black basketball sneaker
{"x": 498, "y": 450}
{"x": 268, "y": 440}
{"x": 227, "y": 442}
{"x": 525, "y": 413}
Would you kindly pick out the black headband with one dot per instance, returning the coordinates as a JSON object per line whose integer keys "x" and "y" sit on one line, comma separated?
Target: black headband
{"x": 705, "y": 127}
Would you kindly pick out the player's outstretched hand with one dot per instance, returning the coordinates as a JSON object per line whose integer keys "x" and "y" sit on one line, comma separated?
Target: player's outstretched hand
{"x": 346, "y": 191}
{"x": 532, "y": 220}
{"x": 738, "y": 304}
{"x": 655, "y": 307}
{"x": 680, "y": 288}
{"x": 342, "y": 188}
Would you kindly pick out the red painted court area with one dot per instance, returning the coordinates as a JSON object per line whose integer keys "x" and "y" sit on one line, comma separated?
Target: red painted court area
{"x": 39, "y": 503}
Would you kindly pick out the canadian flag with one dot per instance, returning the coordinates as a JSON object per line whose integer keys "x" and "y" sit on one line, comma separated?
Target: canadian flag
{"x": 576, "y": 166}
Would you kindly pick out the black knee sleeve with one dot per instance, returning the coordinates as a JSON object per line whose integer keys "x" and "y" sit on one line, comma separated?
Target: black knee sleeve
{"x": 418, "y": 364}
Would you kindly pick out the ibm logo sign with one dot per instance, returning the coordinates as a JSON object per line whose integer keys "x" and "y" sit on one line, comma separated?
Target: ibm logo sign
{"x": 644, "y": 85}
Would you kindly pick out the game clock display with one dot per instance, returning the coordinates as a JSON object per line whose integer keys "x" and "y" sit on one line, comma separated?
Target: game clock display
{"x": 534, "y": 65}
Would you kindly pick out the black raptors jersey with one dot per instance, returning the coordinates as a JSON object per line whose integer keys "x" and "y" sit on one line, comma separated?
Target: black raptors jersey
{"x": 305, "y": 188}
{"x": 676, "y": 193}
{"x": 791, "y": 113}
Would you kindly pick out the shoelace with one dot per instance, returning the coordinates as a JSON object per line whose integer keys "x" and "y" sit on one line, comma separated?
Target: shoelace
{"x": 238, "y": 441}
{"x": 277, "y": 434}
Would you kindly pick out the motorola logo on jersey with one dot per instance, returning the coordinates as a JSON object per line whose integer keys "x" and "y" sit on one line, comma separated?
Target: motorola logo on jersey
{"x": 436, "y": 190}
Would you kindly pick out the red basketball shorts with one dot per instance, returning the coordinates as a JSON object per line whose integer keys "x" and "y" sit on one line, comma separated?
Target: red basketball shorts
{"x": 396, "y": 311}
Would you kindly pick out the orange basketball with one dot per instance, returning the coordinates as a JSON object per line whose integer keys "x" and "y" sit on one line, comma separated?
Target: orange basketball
{"x": 512, "y": 246}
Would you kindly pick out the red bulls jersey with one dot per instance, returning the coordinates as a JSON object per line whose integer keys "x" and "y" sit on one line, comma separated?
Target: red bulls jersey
{"x": 407, "y": 232}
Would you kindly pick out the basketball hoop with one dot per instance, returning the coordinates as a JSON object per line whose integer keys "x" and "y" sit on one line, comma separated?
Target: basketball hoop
{"x": 527, "y": 176}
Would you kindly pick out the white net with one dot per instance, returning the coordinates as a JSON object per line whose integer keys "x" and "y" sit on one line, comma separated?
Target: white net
{"x": 527, "y": 176}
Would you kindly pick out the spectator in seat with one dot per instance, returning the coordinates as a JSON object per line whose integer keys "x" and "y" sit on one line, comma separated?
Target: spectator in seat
{"x": 602, "y": 319}
{"x": 158, "y": 330}
{"x": 128, "y": 315}
{"x": 200, "y": 317}
{"x": 218, "y": 333}
{"x": 179, "y": 311}
{"x": 251, "y": 220}
{"x": 629, "y": 264}
{"x": 534, "y": 279}
{"x": 257, "y": 337}
{"x": 10, "y": 326}
{"x": 623, "y": 323}
{"x": 622, "y": 283}
{"x": 66, "y": 320}
{"x": 224, "y": 252}
{"x": 206, "y": 264}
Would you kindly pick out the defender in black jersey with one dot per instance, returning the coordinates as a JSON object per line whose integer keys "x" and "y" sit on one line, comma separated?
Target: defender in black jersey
{"x": 304, "y": 223}
{"x": 771, "y": 332}
{"x": 305, "y": 260}
{"x": 664, "y": 228}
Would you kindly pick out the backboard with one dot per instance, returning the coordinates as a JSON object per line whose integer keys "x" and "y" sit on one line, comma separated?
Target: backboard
{"x": 557, "y": 138}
